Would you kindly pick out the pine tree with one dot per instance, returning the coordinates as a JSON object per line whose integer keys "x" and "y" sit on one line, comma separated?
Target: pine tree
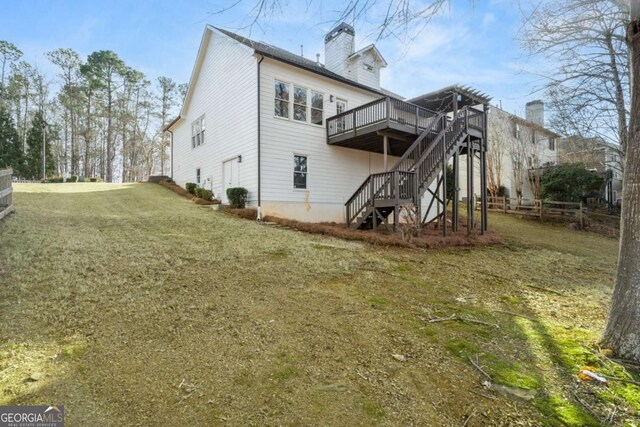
{"x": 34, "y": 152}
{"x": 10, "y": 152}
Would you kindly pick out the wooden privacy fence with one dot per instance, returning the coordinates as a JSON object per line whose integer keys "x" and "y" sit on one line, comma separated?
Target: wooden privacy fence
{"x": 6, "y": 191}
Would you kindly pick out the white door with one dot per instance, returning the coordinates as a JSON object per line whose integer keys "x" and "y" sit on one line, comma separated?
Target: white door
{"x": 229, "y": 177}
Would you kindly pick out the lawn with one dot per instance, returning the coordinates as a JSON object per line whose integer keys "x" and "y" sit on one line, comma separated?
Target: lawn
{"x": 133, "y": 306}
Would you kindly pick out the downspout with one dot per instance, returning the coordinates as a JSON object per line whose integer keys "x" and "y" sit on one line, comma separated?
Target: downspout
{"x": 171, "y": 132}
{"x": 259, "y": 182}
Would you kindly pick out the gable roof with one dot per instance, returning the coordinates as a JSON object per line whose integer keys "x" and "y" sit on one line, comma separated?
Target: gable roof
{"x": 278, "y": 54}
{"x": 290, "y": 58}
{"x": 375, "y": 51}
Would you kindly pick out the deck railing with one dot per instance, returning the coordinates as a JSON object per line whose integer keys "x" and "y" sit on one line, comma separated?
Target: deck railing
{"x": 386, "y": 109}
{"x": 397, "y": 185}
{"x": 6, "y": 192}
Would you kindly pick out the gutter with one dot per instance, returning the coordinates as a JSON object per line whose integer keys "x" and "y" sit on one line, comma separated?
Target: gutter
{"x": 259, "y": 182}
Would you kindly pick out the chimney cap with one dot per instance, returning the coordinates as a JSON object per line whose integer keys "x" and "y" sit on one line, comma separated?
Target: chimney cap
{"x": 342, "y": 27}
{"x": 534, "y": 102}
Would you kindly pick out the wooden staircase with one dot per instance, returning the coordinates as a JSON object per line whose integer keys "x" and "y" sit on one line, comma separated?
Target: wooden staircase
{"x": 384, "y": 194}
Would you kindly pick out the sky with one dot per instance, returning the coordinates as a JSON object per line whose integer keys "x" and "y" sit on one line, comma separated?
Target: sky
{"x": 470, "y": 42}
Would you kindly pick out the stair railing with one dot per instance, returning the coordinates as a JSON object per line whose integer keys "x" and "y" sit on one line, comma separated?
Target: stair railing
{"x": 435, "y": 155}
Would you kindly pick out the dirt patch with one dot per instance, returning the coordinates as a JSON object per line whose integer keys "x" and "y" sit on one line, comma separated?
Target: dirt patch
{"x": 429, "y": 237}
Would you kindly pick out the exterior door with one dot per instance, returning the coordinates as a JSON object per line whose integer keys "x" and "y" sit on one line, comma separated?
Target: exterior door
{"x": 341, "y": 107}
{"x": 229, "y": 177}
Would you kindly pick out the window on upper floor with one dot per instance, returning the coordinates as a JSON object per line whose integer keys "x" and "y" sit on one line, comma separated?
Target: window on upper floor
{"x": 282, "y": 99}
{"x": 552, "y": 144}
{"x": 367, "y": 67}
{"x": 299, "y": 172}
{"x": 299, "y": 104}
{"x": 197, "y": 132}
{"x": 302, "y": 105}
{"x": 317, "y": 108}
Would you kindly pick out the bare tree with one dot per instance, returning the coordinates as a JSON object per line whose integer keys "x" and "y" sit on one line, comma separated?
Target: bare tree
{"x": 500, "y": 131}
{"x": 622, "y": 333}
{"x": 588, "y": 85}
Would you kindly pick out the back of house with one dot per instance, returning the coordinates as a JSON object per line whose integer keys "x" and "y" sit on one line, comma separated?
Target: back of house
{"x": 306, "y": 138}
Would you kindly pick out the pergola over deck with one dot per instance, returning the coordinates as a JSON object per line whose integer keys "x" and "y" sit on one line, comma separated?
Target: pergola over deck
{"x": 451, "y": 98}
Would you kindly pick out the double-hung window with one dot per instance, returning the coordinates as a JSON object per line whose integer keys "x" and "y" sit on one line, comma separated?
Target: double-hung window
{"x": 282, "y": 99}
{"x": 299, "y": 104}
{"x": 317, "y": 107}
{"x": 299, "y": 172}
{"x": 197, "y": 132}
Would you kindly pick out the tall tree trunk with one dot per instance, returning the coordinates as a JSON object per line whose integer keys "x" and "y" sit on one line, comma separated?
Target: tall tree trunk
{"x": 622, "y": 333}
{"x": 109, "y": 160}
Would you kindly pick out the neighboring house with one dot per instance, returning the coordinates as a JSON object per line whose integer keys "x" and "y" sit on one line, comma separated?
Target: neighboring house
{"x": 302, "y": 136}
{"x": 519, "y": 150}
{"x": 597, "y": 155}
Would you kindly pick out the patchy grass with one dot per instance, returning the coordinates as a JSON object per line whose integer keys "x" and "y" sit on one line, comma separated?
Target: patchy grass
{"x": 135, "y": 305}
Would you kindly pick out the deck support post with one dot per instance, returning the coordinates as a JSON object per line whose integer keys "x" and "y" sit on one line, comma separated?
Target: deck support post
{"x": 396, "y": 191}
{"x": 483, "y": 171}
{"x": 456, "y": 191}
{"x": 469, "y": 186}
{"x": 444, "y": 192}
{"x": 385, "y": 142}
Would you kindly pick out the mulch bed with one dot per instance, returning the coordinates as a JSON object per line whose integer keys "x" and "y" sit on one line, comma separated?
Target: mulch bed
{"x": 184, "y": 193}
{"x": 429, "y": 237}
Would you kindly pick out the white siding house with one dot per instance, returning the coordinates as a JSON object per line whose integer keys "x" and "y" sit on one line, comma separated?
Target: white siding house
{"x": 223, "y": 91}
{"x": 262, "y": 118}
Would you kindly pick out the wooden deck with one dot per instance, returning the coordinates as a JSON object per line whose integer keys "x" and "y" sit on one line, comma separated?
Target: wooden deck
{"x": 365, "y": 127}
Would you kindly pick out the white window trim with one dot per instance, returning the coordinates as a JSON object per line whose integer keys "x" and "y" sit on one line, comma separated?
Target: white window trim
{"x": 293, "y": 182}
{"x": 194, "y": 144}
{"x": 289, "y": 103}
{"x": 292, "y": 86}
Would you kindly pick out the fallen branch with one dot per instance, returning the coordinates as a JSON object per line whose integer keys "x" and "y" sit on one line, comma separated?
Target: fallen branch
{"x": 476, "y": 364}
{"x": 486, "y": 396}
{"x": 463, "y": 320}
{"x": 466, "y": 421}
{"x": 542, "y": 288}
{"x": 624, "y": 380}
{"x": 587, "y": 407}
{"x": 510, "y": 313}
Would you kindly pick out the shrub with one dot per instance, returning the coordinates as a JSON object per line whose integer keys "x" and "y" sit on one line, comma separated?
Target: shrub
{"x": 54, "y": 179}
{"x": 569, "y": 183}
{"x": 191, "y": 187}
{"x": 205, "y": 194}
{"x": 72, "y": 178}
{"x": 237, "y": 197}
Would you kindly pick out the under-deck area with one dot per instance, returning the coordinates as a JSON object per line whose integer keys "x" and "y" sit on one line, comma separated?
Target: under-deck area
{"x": 426, "y": 133}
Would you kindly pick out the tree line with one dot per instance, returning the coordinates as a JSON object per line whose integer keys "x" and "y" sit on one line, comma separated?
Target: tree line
{"x": 103, "y": 120}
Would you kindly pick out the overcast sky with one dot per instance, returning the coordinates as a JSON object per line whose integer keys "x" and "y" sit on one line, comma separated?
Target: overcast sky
{"x": 472, "y": 42}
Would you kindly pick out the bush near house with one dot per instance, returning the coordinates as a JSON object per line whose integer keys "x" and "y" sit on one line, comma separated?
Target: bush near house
{"x": 72, "y": 178}
{"x": 237, "y": 197}
{"x": 204, "y": 194}
{"x": 191, "y": 187}
{"x": 569, "y": 183}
